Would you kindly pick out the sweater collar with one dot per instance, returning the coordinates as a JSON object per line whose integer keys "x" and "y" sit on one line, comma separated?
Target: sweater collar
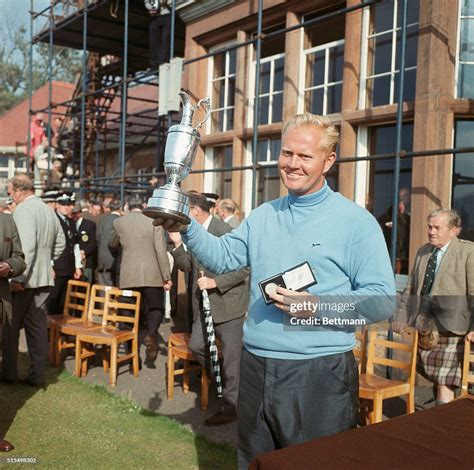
{"x": 311, "y": 199}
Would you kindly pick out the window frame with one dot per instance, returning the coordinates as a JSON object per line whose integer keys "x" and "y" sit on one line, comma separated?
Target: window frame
{"x": 326, "y": 47}
{"x": 365, "y": 77}
{"x": 270, "y": 94}
{"x": 226, "y": 77}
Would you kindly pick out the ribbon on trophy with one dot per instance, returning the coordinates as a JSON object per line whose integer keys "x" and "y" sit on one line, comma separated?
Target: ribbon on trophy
{"x": 211, "y": 337}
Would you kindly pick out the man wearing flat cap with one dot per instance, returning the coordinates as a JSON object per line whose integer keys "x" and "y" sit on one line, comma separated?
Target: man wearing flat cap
{"x": 68, "y": 265}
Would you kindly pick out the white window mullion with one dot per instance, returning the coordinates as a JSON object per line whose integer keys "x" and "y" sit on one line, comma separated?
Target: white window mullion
{"x": 326, "y": 77}
{"x": 394, "y": 52}
{"x": 226, "y": 91}
{"x": 270, "y": 91}
{"x": 363, "y": 58}
{"x": 457, "y": 67}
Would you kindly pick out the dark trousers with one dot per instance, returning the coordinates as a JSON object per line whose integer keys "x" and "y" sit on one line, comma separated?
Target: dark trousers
{"x": 29, "y": 310}
{"x": 153, "y": 299}
{"x": 105, "y": 278}
{"x": 286, "y": 402}
{"x": 58, "y": 295}
{"x": 230, "y": 335}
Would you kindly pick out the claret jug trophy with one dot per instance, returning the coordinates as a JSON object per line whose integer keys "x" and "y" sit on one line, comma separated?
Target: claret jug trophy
{"x": 169, "y": 201}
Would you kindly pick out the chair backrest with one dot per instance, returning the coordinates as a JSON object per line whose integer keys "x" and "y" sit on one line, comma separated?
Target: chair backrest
{"x": 360, "y": 349}
{"x": 77, "y": 299}
{"x": 378, "y": 347}
{"x": 95, "y": 312}
{"x": 467, "y": 368}
{"x": 122, "y": 306}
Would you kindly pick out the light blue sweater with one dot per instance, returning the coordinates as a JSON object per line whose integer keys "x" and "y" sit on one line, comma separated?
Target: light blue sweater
{"x": 344, "y": 246}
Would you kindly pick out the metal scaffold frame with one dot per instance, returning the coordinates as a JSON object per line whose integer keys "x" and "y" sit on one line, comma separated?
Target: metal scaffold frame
{"x": 119, "y": 181}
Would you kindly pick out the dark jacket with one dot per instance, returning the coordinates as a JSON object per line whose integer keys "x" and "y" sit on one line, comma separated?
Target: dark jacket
{"x": 65, "y": 265}
{"x": 106, "y": 261}
{"x": 230, "y": 299}
{"x": 11, "y": 252}
{"x": 87, "y": 236}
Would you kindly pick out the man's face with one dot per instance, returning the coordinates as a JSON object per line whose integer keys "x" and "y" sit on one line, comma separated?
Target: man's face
{"x": 95, "y": 210}
{"x": 15, "y": 194}
{"x": 302, "y": 163}
{"x": 65, "y": 209}
{"x": 439, "y": 233}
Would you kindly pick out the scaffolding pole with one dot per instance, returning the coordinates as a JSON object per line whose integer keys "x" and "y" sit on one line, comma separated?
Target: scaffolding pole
{"x": 123, "y": 102}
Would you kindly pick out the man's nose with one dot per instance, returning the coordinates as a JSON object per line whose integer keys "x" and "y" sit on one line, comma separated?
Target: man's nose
{"x": 294, "y": 162}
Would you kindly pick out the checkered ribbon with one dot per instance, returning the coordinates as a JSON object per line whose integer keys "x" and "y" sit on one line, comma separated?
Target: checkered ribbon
{"x": 211, "y": 336}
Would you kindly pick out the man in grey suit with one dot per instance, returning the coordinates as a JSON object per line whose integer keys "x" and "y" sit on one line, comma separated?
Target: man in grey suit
{"x": 106, "y": 265}
{"x": 440, "y": 291}
{"x": 43, "y": 241}
{"x": 229, "y": 298}
{"x": 144, "y": 266}
{"x": 12, "y": 263}
{"x": 226, "y": 209}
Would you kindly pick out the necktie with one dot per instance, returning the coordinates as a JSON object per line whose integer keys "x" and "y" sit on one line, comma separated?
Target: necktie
{"x": 430, "y": 273}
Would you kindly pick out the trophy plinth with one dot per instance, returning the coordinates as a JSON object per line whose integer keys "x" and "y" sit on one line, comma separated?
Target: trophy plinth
{"x": 169, "y": 201}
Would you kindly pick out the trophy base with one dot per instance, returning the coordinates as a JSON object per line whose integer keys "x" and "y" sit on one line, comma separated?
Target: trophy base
{"x": 159, "y": 212}
{"x": 169, "y": 202}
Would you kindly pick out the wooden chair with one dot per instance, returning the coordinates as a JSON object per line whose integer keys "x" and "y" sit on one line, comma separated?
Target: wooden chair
{"x": 376, "y": 388}
{"x": 93, "y": 320}
{"x": 360, "y": 349}
{"x": 75, "y": 308}
{"x": 467, "y": 368}
{"x": 110, "y": 336}
{"x": 178, "y": 349}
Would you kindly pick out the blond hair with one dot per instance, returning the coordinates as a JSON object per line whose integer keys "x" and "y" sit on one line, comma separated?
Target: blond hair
{"x": 331, "y": 132}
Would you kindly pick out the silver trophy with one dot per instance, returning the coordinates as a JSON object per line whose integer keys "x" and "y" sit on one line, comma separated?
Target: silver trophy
{"x": 169, "y": 201}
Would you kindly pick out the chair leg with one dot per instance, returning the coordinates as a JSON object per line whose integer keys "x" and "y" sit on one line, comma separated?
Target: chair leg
{"x": 113, "y": 364}
{"x": 58, "y": 349}
{"x": 204, "y": 389}
{"x": 78, "y": 358}
{"x": 135, "y": 357}
{"x": 376, "y": 415}
{"x": 411, "y": 402}
{"x": 170, "y": 391}
{"x": 186, "y": 377}
{"x": 84, "y": 365}
{"x": 105, "y": 361}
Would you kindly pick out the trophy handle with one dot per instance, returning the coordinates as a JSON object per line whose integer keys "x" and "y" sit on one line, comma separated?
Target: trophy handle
{"x": 206, "y": 104}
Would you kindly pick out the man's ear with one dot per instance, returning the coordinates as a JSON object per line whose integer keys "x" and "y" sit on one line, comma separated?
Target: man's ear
{"x": 330, "y": 160}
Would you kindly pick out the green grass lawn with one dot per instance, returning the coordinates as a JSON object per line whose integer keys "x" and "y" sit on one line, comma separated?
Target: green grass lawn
{"x": 74, "y": 425}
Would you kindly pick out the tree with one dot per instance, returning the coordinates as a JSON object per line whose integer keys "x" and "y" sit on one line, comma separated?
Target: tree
{"x": 14, "y": 65}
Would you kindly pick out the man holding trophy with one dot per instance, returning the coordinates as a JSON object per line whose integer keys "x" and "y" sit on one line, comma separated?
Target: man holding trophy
{"x": 296, "y": 384}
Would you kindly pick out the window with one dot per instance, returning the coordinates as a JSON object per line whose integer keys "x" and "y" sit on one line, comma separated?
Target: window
{"x": 271, "y": 78}
{"x": 9, "y": 166}
{"x": 323, "y": 78}
{"x": 271, "y": 89}
{"x": 219, "y": 182}
{"x": 463, "y": 179}
{"x": 268, "y": 179}
{"x": 382, "y": 139}
{"x": 222, "y": 90}
{"x": 323, "y": 62}
{"x": 383, "y": 53}
{"x": 465, "y": 88}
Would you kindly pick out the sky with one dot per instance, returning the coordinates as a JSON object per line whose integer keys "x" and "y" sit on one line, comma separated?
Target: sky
{"x": 17, "y": 11}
